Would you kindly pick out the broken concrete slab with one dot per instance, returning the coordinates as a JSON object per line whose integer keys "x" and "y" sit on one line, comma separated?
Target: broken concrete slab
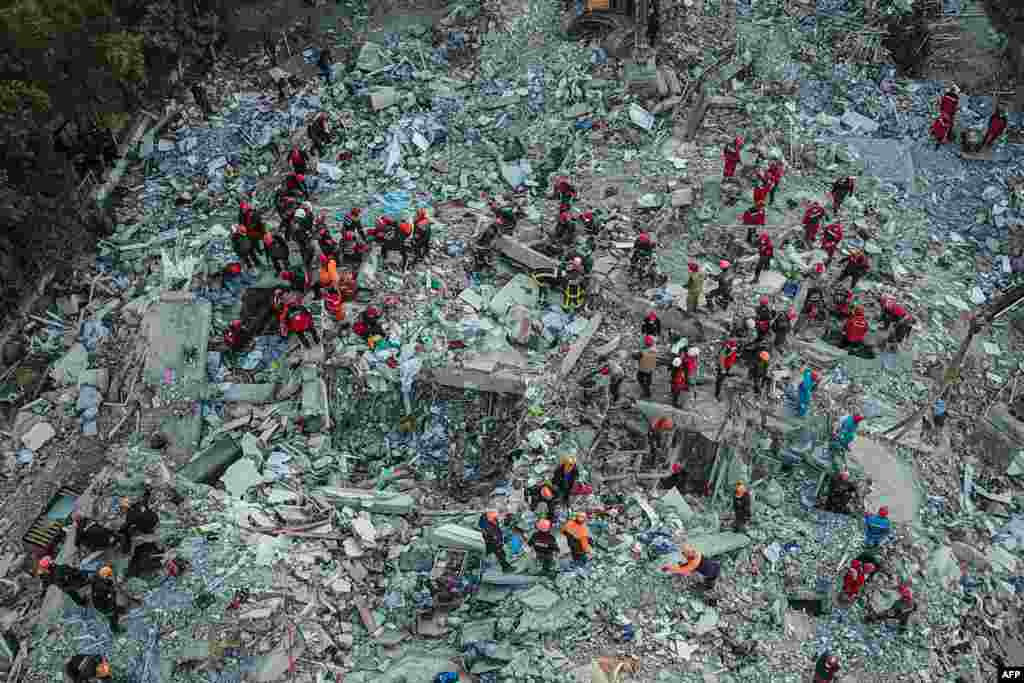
{"x": 455, "y": 536}
{"x": 894, "y": 484}
{"x": 523, "y": 255}
{"x": 249, "y": 393}
{"x": 521, "y": 289}
{"x": 241, "y": 477}
{"x": 771, "y": 283}
{"x": 675, "y": 502}
{"x": 38, "y": 436}
{"x": 177, "y": 334}
{"x": 274, "y": 665}
{"x": 682, "y": 197}
{"x": 580, "y": 345}
{"x": 207, "y": 465}
{"x": 384, "y": 502}
{"x": 673, "y": 318}
{"x": 890, "y": 160}
{"x": 719, "y": 544}
{"x": 538, "y": 598}
{"x": 498, "y": 382}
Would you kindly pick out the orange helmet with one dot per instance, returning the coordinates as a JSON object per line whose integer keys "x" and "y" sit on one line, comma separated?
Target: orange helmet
{"x": 664, "y": 424}
{"x": 544, "y": 525}
{"x": 764, "y": 356}
{"x": 406, "y": 228}
{"x": 46, "y": 563}
{"x": 106, "y": 572}
{"x": 546, "y": 493}
{"x": 103, "y": 669}
{"x": 492, "y": 516}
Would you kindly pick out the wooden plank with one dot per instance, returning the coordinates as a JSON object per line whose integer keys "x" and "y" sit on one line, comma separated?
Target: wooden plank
{"x": 532, "y": 260}
{"x": 580, "y": 345}
{"x": 478, "y": 381}
{"x": 723, "y": 102}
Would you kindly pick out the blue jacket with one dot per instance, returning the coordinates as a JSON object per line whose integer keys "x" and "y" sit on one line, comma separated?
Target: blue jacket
{"x": 940, "y": 408}
{"x": 806, "y": 388}
{"x": 875, "y": 529}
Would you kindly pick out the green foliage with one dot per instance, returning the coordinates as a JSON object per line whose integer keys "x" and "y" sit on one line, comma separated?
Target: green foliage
{"x": 16, "y": 96}
{"x": 33, "y": 23}
{"x": 123, "y": 52}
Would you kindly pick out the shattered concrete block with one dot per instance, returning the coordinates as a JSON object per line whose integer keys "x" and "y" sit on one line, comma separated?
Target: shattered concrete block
{"x": 207, "y": 464}
{"x": 719, "y": 544}
{"x": 682, "y": 197}
{"x": 249, "y": 393}
{"x": 241, "y": 477}
{"x": 384, "y": 502}
{"x": 455, "y": 536}
{"x": 38, "y": 436}
{"x": 675, "y": 502}
{"x": 538, "y": 598}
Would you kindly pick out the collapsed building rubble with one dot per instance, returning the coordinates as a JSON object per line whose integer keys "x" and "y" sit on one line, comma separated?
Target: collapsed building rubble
{"x": 320, "y": 504}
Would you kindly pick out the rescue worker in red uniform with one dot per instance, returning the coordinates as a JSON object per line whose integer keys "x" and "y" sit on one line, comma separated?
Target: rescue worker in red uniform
{"x": 852, "y": 582}
{"x": 280, "y": 254}
{"x": 996, "y": 126}
{"x": 328, "y": 276}
{"x": 564, "y": 192}
{"x": 814, "y": 302}
{"x": 651, "y": 326}
{"x": 812, "y": 222}
{"x": 901, "y": 610}
{"x": 726, "y": 361}
{"x": 295, "y": 185}
{"x": 678, "y": 383}
{"x": 369, "y": 323}
{"x": 765, "y": 252}
{"x": 86, "y": 668}
{"x": 731, "y": 156}
{"x": 233, "y": 335}
{"x": 763, "y": 318}
{"x": 942, "y": 128}
{"x": 565, "y": 229}
{"x": 353, "y": 221}
{"x": 761, "y": 192}
{"x": 782, "y": 326}
{"x": 753, "y": 218}
{"x": 243, "y": 247}
{"x": 643, "y": 254}
{"x": 352, "y": 250}
{"x": 776, "y": 170}
{"x": 421, "y": 235}
{"x": 299, "y": 161}
{"x": 830, "y": 240}
{"x": 328, "y": 246}
{"x": 841, "y": 189}
{"x": 825, "y": 668}
{"x": 856, "y": 266}
{"x": 893, "y": 314}
{"x": 245, "y": 213}
{"x": 841, "y": 300}
{"x": 300, "y": 321}
{"x": 856, "y": 329}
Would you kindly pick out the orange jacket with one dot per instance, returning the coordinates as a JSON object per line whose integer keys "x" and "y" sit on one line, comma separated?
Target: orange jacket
{"x": 329, "y": 273}
{"x": 578, "y": 531}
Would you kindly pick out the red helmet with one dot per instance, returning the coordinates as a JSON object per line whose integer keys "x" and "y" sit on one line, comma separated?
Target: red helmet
{"x": 587, "y": 216}
{"x": 233, "y": 268}
{"x": 906, "y": 593}
{"x": 244, "y": 205}
{"x": 237, "y": 324}
{"x": 652, "y": 316}
{"x": 831, "y": 662}
{"x": 883, "y": 511}
{"x": 692, "y": 266}
{"x": 765, "y": 237}
{"x": 844, "y": 475}
{"x": 300, "y": 177}
{"x": 323, "y": 258}
{"x": 648, "y": 341}
{"x": 791, "y": 314}
{"x": 372, "y": 312}
{"x": 287, "y": 276}
{"x": 723, "y": 264}
{"x": 731, "y": 343}
{"x": 349, "y": 236}
{"x": 855, "y": 564}
{"x": 869, "y": 568}
{"x": 544, "y": 525}
{"x": 819, "y": 267}
{"x": 605, "y": 370}
{"x": 676, "y": 468}
{"x": 763, "y": 301}
{"x": 644, "y": 238}
{"x": 738, "y": 142}
{"x": 857, "y": 419}
{"x": 564, "y": 217}
{"x": 814, "y": 375}
{"x": 325, "y": 233}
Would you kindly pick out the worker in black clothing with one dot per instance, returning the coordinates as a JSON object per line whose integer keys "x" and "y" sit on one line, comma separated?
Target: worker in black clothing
{"x": 674, "y": 480}
{"x": 85, "y": 668}
{"x": 544, "y": 493}
{"x": 277, "y": 247}
{"x": 825, "y": 668}
{"x": 840, "y": 493}
{"x": 69, "y": 579}
{"x": 900, "y": 611}
{"x": 92, "y": 535}
{"x": 494, "y": 539}
{"x": 741, "y": 508}
{"x": 139, "y": 518}
{"x": 545, "y": 545}
{"x": 104, "y": 596}
{"x": 651, "y": 326}
{"x": 564, "y": 478}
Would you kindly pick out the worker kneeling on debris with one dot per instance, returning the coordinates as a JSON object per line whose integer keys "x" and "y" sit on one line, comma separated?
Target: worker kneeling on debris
{"x": 696, "y": 563}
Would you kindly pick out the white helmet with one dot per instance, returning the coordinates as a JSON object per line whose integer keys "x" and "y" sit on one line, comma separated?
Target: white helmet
{"x": 300, "y": 213}
{"x": 750, "y": 323}
{"x": 693, "y": 352}
{"x": 677, "y": 361}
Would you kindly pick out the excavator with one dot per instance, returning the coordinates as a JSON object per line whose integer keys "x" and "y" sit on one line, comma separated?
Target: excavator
{"x": 623, "y": 23}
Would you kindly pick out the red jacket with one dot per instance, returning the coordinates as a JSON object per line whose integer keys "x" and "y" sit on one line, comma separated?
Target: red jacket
{"x": 727, "y": 360}
{"x": 941, "y": 128}
{"x": 949, "y": 104}
{"x": 996, "y": 126}
{"x": 679, "y": 378}
{"x": 753, "y": 217}
{"x": 776, "y": 171}
{"x": 856, "y": 329}
{"x": 833, "y": 235}
{"x": 760, "y": 194}
{"x": 814, "y": 214}
{"x": 842, "y": 302}
{"x": 300, "y": 321}
{"x": 852, "y": 582}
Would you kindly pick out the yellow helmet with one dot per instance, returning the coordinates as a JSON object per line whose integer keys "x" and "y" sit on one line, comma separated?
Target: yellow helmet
{"x": 569, "y": 460}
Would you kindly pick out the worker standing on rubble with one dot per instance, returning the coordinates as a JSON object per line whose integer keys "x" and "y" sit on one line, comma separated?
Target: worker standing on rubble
{"x": 731, "y": 156}
{"x": 678, "y": 382}
{"x": 676, "y": 479}
{"x": 759, "y": 373}
{"x": 857, "y": 265}
{"x": 319, "y": 131}
{"x": 856, "y": 330}
{"x": 370, "y": 323}
{"x": 140, "y": 518}
{"x": 765, "y": 251}
{"x": 825, "y": 668}
{"x": 813, "y": 216}
{"x": 776, "y": 170}
{"x": 277, "y": 247}
{"x": 353, "y": 221}
{"x": 328, "y": 277}
{"x": 616, "y": 375}
{"x": 651, "y": 325}
{"x": 900, "y": 611}
{"x": 840, "y": 493}
{"x": 763, "y": 318}
{"x": 696, "y": 563}
{"x": 544, "y": 493}
{"x": 694, "y": 286}
{"x": 722, "y": 294}
{"x": 323, "y": 62}
{"x": 658, "y": 440}
{"x": 104, "y": 596}
{"x": 564, "y": 479}
{"x": 494, "y": 539}
{"x": 853, "y": 581}
{"x": 86, "y": 668}
{"x": 295, "y": 185}
{"x": 830, "y": 240}
{"x": 352, "y": 250}
{"x": 848, "y": 430}
{"x": 578, "y": 537}
{"x": 243, "y": 247}
{"x": 300, "y": 321}
{"x": 232, "y": 339}
{"x": 808, "y": 384}
{"x": 299, "y": 160}
{"x": 565, "y": 229}
{"x": 647, "y": 359}
{"x": 69, "y": 579}
{"x": 949, "y": 105}
{"x": 643, "y": 250}
{"x": 741, "y": 508}
{"x": 545, "y": 545}
{"x": 726, "y": 361}
{"x": 876, "y": 528}
{"x": 996, "y": 126}
{"x": 814, "y": 303}
{"x": 564, "y": 192}
{"x": 754, "y": 218}
{"x": 841, "y": 189}
{"x": 782, "y": 326}
{"x": 872, "y": 563}
{"x": 325, "y": 240}
{"x": 895, "y": 315}
{"x": 303, "y": 234}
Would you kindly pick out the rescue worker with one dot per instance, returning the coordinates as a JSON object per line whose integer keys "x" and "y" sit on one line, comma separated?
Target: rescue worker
{"x": 328, "y": 276}
{"x": 504, "y": 216}
{"x": 676, "y": 479}
{"x": 233, "y": 336}
{"x": 483, "y": 251}
{"x": 643, "y": 255}
{"x": 781, "y": 327}
{"x": 545, "y": 545}
{"x": 763, "y": 318}
{"x": 298, "y": 285}
{"x": 753, "y": 218}
{"x": 400, "y": 239}
{"x": 812, "y": 222}
{"x": 574, "y": 281}
{"x": 841, "y": 300}
{"x": 69, "y": 579}
{"x": 761, "y": 191}
{"x": 564, "y": 478}
{"x": 841, "y": 189}
{"x": 280, "y": 254}
{"x": 494, "y": 539}
{"x": 299, "y": 161}
{"x": 544, "y": 493}
{"x": 564, "y": 192}
{"x": 319, "y": 131}
{"x": 825, "y": 668}
{"x": 742, "y": 509}
{"x": 295, "y": 185}
{"x": 722, "y": 294}
{"x": 647, "y": 359}
{"x": 694, "y": 286}
{"x": 286, "y": 206}
{"x": 353, "y": 221}
{"x": 872, "y": 562}
{"x": 590, "y": 223}
{"x": 876, "y": 528}
{"x": 856, "y": 329}
{"x": 808, "y": 384}
{"x": 659, "y": 435}
{"x": 857, "y": 265}
{"x": 949, "y": 105}
{"x": 298, "y": 319}
{"x": 853, "y": 581}
{"x": 814, "y": 303}
{"x": 776, "y": 170}
{"x": 302, "y": 233}
{"x": 848, "y": 430}
{"x": 86, "y": 668}
{"x": 830, "y": 240}
{"x": 92, "y": 535}
{"x": 352, "y": 250}
{"x": 696, "y": 563}
{"x": 104, "y": 596}
{"x": 731, "y": 156}
{"x": 246, "y": 213}
{"x": 421, "y": 236}
{"x": 996, "y": 126}
{"x": 765, "y": 251}
{"x": 565, "y": 229}
{"x": 616, "y": 375}
{"x": 651, "y": 325}
{"x": 323, "y": 62}
{"x": 840, "y": 493}
{"x": 726, "y": 361}
{"x": 759, "y": 372}
{"x": 892, "y": 312}
{"x": 900, "y": 611}
{"x": 578, "y": 537}
{"x": 140, "y": 518}
{"x": 243, "y": 247}
{"x": 371, "y": 320}
{"x": 328, "y": 245}
{"x": 334, "y": 302}
{"x": 679, "y": 378}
